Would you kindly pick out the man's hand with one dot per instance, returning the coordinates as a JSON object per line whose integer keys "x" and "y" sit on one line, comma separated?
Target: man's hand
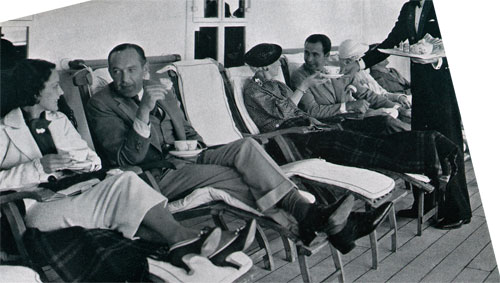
{"x": 55, "y": 162}
{"x": 403, "y": 100}
{"x": 152, "y": 93}
{"x": 312, "y": 81}
{"x": 358, "y": 106}
{"x": 316, "y": 122}
{"x": 350, "y": 69}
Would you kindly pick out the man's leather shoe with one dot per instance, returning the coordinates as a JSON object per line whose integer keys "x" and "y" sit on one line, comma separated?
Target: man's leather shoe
{"x": 446, "y": 224}
{"x": 317, "y": 218}
{"x": 205, "y": 244}
{"x": 242, "y": 242}
{"x": 359, "y": 224}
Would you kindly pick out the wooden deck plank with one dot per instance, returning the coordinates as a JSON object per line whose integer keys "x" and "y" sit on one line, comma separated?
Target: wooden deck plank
{"x": 451, "y": 266}
{"x": 462, "y": 255}
{"x": 470, "y": 275}
{"x": 410, "y": 248}
{"x": 485, "y": 260}
{"x": 494, "y": 276}
{"x": 435, "y": 253}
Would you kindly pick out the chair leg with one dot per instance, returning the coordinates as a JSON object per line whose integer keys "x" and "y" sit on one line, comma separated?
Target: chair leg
{"x": 218, "y": 218}
{"x": 337, "y": 260}
{"x": 261, "y": 238}
{"x": 290, "y": 249}
{"x": 420, "y": 218}
{"x": 373, "y": 242}
{"x": 374, "y": 248}
{"x": 304, "y": 267}
{"x": 394, "y": 226}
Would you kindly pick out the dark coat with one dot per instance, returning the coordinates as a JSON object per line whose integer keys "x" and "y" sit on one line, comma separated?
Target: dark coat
{"x": 434, "y": 104}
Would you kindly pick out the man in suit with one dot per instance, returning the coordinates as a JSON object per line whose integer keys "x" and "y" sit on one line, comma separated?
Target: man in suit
{"x": 136, "y": 121}
{"x": 336, "y": 97}
{"x": 434, "y": 102}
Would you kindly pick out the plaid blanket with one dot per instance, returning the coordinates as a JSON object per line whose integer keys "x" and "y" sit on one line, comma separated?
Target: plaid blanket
{"x": 421, "y": 152}
{"x": 89, "y": 255}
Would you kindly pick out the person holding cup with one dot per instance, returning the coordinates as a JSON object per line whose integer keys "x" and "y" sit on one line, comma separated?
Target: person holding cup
{"x": 342, "y": 96}
{"x": 122, "y": 118}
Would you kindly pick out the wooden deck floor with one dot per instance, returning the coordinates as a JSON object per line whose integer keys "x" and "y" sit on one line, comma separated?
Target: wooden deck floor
{"x": 462, "y": 255}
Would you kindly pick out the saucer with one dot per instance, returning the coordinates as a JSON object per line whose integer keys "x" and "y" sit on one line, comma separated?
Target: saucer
{"x": 185, "y": 153}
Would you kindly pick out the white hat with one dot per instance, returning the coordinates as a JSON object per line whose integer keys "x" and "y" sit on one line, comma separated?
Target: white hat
{"x": 350, "y": 48}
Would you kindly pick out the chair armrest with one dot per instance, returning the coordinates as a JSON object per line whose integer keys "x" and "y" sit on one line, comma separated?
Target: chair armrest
{"x": 292, "y": 130}
{"x": 287, "y": 148}
{"x": 38, "y": 195}
{"x": 427, "y": 187}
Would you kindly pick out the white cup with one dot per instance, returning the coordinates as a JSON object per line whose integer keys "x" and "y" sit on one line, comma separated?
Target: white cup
{"x": 192, "y": 144}
{"x": 181, "y": 145}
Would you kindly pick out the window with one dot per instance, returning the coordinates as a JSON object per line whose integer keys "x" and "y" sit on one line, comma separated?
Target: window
{"x": 216, "y": 29}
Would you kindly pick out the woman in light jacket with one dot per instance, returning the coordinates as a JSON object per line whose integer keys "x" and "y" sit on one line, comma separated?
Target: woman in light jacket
{"x": 38, "y": 142}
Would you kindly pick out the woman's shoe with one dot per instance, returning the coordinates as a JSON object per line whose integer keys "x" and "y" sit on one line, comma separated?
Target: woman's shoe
{"x": 205, "y": 244}
{"x": 243, "y": 241}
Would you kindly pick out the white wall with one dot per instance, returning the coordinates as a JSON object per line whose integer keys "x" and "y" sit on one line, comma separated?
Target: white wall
{"x": 89, "y": 30}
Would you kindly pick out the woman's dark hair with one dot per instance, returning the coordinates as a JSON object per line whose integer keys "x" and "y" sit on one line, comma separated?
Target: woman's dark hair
{"x": 25, "y": 82}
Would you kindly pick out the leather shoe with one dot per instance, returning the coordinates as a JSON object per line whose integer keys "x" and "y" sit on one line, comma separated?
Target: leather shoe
{"x": 205, "y": 244}
{"x": 243, "y": 241}
{"x": 317, "y": 219}
{"x": 359, "y": 224}
{"x": 446, "y": 224}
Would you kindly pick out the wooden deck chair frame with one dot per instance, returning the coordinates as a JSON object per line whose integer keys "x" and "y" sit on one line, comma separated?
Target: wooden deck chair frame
{"x": 288, "y": 150}
{"x": 292, "y": 154}
{"x": 82, "y": 79}
{"x": 419, "y": 183}
{"x": 18, "y": 228}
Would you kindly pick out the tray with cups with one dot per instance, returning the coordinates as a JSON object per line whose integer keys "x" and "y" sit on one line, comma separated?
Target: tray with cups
{"x": 186, "y": 148}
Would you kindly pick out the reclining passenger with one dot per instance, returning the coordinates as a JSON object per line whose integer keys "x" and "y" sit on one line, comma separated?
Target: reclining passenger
{"x": 349, "y": 51}
{"x": 124, "y": 121}
{"x": 389, "y": 78}
{"x": 270, "y": 105}
{"x": 335, "y": 97}
{"x": 38, "y": 144}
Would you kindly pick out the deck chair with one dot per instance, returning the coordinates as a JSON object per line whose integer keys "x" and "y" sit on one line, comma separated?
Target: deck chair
{"x": 203, "y": 269}
{"x": 291, "y": 60}
{"x": 238, "y": 76}
{"x": 18, "y": 228}
{"x": 207, "y": 101}
{"x": 85, "y": 78}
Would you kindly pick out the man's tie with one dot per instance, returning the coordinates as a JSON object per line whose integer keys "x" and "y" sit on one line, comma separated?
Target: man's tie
{"x": 156, "y": 112}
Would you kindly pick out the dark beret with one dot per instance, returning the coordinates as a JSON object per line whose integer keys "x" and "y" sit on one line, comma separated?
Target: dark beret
{"x": 263, "y": 54}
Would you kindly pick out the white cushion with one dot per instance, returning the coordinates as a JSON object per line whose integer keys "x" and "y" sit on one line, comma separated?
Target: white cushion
{"x": 366, "y": 183}
{"x": 201, "y": 84}
{"x": 206, "y": 195}
{"x": 239, "y": 77}
{"x": 13, "y": 273}
{"x": 202, "y": 269}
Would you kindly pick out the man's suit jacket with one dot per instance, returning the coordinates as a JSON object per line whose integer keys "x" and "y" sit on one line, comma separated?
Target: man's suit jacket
{"x": 392, "y": 81}
{"x": 20, "y": 155}
{"x": 434, "y": 104}
{"x": 405, "y": 29}
{"x": 323, "y": 101}
{"x": 111, "y": 117}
